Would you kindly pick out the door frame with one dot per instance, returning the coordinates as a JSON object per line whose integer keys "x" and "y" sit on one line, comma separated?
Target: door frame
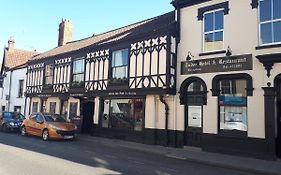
{"x": 277, "y": 85}
{"x": 185, "y": 100}
{"x": 90, "y": 125}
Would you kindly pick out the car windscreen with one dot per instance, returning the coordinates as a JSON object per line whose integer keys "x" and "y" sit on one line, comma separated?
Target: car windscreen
{"x": 13, "y": 115}
{"x": 8, "y": 115}
{"x": 50, "y": 118}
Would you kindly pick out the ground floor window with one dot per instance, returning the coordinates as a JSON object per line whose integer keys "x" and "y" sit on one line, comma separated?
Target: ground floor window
{"x": 233, "y": 104}
{"x": 17, "y": 109}
{"x": 34, "y": 107}
{"x": 123, "y": 114}
{"x": 52, "y": 109}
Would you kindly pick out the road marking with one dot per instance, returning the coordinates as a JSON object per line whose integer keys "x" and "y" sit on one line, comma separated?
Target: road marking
{"x": 175, "y": 157}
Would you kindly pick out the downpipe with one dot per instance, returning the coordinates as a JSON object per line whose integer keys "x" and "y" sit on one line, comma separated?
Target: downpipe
{"x": 166, "y": 119}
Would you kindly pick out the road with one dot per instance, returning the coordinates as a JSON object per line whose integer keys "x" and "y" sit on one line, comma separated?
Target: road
{"x": 31, "y": 156}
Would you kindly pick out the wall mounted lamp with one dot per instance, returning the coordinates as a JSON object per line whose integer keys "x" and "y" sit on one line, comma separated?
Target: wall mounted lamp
{"x": 228, "y": 51}
{"x": 189, "y": 56}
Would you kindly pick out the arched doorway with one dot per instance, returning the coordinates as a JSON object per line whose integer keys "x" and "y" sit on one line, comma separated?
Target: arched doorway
{"x": 193, "y": 95}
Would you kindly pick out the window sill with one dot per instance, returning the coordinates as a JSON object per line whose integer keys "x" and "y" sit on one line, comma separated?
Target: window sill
{"x": 268, "y": 46}
{"x": 212, "y": 53}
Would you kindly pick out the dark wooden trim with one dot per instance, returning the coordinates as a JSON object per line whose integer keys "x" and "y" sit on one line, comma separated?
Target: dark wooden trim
{"x": 268, "y": 46}
{"x": 186, "y": 3}
{"x": 186, "y": 83}
{"x": 212, "y": 53}
{"x": 270, "y": 119}
{"x": 268, "y": 61}
{"x": 224, "y": 5}
{"x": 215, "y": 82}
{"x": 255, "y": 4}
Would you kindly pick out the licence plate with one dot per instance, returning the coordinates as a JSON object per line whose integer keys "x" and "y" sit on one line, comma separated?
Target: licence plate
{"x": 68, "y": 137}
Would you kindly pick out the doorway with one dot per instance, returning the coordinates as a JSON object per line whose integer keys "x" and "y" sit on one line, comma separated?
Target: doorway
{"x": 278, "y": 118}
{"x": 194, "y": 97}
{"x": 88, "y": 114}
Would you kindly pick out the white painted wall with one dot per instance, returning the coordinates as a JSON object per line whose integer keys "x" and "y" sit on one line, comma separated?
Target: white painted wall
{"x": 14, "y": 100}
{"x": 241, "y": 34}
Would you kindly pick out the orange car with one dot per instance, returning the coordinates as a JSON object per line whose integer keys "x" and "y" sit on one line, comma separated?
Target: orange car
{"x": 48, "y": 126}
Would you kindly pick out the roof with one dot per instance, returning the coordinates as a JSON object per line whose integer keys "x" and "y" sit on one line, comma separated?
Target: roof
{"x": 186, "y": 3}
{"x": 147, "y": 26}
{"x": 16, "y": 57}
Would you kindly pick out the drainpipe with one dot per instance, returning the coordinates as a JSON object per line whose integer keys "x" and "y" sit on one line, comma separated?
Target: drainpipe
{"x": 166, "y": 118}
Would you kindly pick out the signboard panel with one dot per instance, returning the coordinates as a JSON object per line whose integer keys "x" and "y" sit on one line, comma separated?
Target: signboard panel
{"x": 194, "y": 116}
{"x": 221, "y": 64}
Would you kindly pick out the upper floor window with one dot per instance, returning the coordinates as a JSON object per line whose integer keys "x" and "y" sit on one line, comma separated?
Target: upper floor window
{"x": 270, "y": 21}
{"x": 213, "y": 30}
{"x": 20, "y": 91}
{"x": 78, "y": 70}
{"x": 49, "y": 71}
{"x": 119, "y": 66}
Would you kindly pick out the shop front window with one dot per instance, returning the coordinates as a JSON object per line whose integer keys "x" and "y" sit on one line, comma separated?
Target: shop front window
{"x": 123, "y": 114}
{"x": 233, "y": 104}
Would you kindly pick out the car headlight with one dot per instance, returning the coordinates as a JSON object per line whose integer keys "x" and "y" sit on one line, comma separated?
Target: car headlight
{"x": 12, "y": 124}
{"x": 54, "y": 127}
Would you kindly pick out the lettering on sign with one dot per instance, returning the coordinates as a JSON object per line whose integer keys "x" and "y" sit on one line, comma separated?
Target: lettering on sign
{"x": 121, "y": 93}
{"x": 221, "y": 64}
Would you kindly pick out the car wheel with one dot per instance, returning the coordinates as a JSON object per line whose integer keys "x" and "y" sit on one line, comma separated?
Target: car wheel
{"x": 23, "y": 131}
{"x": 5, "y": 128}
{"x": 45, "y": 135}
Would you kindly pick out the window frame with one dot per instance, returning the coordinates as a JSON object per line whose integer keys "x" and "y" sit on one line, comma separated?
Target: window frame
{"x": 79, "y": 73}
{"x": 48, "y": 76}
{"x": 127, "y": 65}
{"x": 21, "y": 88}
{"x": 271, "y": 21}
{"x": 213, "y": 31}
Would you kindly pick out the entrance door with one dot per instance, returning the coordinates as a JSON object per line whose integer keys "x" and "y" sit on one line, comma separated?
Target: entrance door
{"x": 195, "y": 98}
{"x": 278, "y": 122}
{"x": 88, "y": 114}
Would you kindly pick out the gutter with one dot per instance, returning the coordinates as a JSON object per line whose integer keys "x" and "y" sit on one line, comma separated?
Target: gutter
{"x": 10, "y": 83}
{"x": 166, "y": 119}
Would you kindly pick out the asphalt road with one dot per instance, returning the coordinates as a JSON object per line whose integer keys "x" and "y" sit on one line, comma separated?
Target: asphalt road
{"x": 31, "y": 156}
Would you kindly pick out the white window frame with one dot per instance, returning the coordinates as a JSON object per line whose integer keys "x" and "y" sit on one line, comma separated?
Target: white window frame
{"x": 214, "y": 31}
{"x": 266, "y": 22}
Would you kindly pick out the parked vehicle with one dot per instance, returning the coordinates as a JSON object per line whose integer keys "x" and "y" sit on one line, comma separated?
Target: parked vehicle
{"x": 11, "y": 121}
{"x": 48, "y": 126}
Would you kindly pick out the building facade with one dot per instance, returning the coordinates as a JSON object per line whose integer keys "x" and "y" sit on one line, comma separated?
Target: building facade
{"x": 13, "y": 73}
{"x": 228, "y": 76}
{"x": 119, "y": 84}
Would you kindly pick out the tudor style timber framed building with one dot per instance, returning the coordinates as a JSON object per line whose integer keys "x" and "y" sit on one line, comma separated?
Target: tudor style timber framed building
{"x": 228, "y": 76}
{"x": 116, "y": 84}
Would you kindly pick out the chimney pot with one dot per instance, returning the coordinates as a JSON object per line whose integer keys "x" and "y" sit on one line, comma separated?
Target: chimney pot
{"x": 65, "y": 32}
{"x": 11, "y": 43}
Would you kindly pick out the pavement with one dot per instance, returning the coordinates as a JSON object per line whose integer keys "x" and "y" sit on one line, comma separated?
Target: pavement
{"x": 196, "y": 155}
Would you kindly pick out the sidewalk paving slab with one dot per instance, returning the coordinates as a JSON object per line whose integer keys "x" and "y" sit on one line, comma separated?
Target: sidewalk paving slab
{"x": 246, "y": 164}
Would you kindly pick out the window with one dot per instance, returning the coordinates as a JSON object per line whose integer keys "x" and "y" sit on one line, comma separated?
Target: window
{"x": 34, "y": 107}
{"x": 270, "y": 21}
{"x": 78, "y": 70}
{"x": 213, "y": 30}
{"x": 52, "y": 109}
{"x": 120, "y": 64}
{"x": 49, "y": 74}
{"x": 233, "y": 104}
{"x": 17, "y": 109}
{"x": 123, "y": 114}
{"x": 20, "y": 92}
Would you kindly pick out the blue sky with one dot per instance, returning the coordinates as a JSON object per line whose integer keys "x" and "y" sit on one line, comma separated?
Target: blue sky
{"x": 34, "y": 23}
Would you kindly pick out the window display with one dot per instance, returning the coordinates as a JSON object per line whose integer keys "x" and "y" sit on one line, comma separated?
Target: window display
{"x": 123, "y": 114}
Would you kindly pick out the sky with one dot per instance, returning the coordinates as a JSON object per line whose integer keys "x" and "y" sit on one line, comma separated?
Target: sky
{"x": 34, "y": 23}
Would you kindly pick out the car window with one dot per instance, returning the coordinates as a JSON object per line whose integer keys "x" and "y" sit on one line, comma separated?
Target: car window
{"x": 33, "y": 117}
{"x": 49, "y": 118}
{"x": 19, "y": 116}
{"x": 7, "y": 115}
{"x": 39, "y": 118}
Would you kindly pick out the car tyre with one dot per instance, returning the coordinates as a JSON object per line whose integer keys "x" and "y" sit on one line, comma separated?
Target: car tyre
{"x": 45, "y": 135}
{"x": 5, "y": 128}
{"x": 23, "y": 131}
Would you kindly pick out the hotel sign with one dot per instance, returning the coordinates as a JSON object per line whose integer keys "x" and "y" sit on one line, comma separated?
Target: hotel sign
{"x": 221, "y": 64}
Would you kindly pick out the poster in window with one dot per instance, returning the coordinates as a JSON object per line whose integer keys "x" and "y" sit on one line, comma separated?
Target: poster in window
{"x": 194, "y": 116}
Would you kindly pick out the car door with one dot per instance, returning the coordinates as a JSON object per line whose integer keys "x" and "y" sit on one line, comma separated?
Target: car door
{"x": 30, "y": 124}
{"x": 38, "y": 126}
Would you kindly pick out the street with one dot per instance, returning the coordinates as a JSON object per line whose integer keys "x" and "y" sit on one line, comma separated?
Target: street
{"x": 31, "y": 156}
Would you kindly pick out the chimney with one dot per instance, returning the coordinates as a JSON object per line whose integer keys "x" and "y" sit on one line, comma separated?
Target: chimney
{"x": 65, "y": 32}
{"x": 11, "y": 44}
